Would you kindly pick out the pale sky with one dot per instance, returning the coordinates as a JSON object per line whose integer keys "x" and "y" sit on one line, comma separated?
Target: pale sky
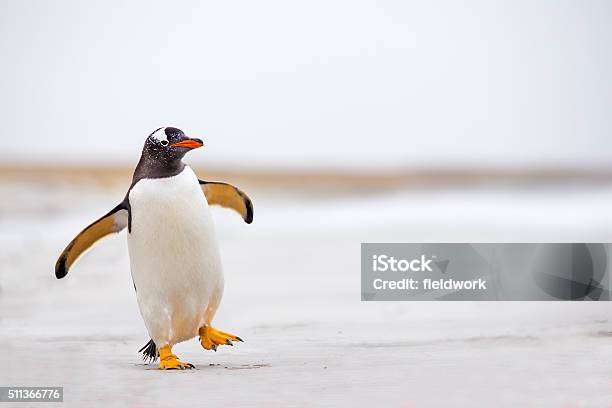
{"x": 312, "y": 83}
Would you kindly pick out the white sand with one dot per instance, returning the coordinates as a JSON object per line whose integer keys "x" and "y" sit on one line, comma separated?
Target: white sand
{"x": 292, "y": 292}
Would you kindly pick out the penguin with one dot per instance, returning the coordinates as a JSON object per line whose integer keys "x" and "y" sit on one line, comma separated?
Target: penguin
{"x": 174, "y": 255}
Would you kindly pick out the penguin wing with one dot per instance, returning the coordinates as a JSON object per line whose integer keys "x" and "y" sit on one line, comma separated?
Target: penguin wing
{"x": 228, "y": 196}
{"x": 114, "y": 221}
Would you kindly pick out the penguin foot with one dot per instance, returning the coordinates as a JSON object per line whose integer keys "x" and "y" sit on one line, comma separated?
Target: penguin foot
{"x": 168, "y": 361}
{"x": 211, "y": 338}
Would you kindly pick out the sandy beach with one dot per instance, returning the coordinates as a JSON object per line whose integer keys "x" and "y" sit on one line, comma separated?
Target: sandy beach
{"x": 292, "y": 293}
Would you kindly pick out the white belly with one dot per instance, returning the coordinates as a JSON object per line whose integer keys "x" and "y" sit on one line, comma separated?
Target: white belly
{"x": 174, "y": 257}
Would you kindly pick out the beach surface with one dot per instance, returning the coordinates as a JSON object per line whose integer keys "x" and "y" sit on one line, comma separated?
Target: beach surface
{"x": 292, "y": 293}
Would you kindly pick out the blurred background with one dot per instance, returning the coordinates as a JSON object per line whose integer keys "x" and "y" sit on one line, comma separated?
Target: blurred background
{"x": 345, "y": 122}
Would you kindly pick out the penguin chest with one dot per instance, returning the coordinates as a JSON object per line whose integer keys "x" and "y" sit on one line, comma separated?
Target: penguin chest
{"x": 174, "y": 256}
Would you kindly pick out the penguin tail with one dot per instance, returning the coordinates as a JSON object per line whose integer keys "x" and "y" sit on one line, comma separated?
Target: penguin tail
{"x": 149, "y": 352}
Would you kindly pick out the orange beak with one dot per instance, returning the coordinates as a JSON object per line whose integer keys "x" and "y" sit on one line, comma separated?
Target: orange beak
{"x": 189, "y": 143}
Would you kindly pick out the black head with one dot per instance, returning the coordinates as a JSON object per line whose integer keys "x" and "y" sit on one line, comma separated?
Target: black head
{"x": 162, "y": 153}
{"x": 169, "y": 142}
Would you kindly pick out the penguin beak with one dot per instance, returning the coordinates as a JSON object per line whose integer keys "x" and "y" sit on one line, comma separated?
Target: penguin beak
{"x": 189, "y": 143}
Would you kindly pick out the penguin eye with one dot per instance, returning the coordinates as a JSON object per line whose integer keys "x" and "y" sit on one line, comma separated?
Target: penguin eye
{"x": 164, "y": 143}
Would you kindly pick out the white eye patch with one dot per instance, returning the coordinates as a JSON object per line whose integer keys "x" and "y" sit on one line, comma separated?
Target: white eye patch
{"x": 160, "y": 136}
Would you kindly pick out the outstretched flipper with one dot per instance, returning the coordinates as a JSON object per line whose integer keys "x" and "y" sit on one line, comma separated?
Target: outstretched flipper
{"x": 113, "y": 222}
{"x": 228, "y": 196}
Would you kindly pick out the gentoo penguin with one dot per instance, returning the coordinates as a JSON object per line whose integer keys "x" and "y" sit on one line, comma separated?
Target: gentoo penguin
{"x": 174, "y": 257}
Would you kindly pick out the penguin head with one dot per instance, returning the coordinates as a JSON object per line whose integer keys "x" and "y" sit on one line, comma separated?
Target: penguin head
{"x": 163, "y": 152}
{"x": 170, "y": 144}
